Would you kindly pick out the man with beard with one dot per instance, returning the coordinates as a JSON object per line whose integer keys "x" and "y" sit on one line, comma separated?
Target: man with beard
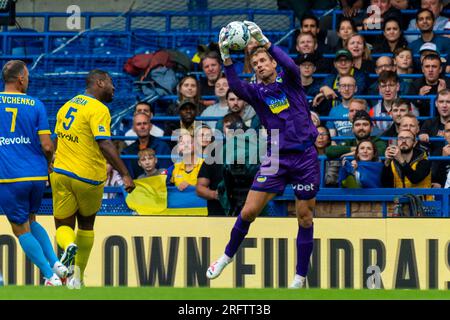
{"x": 362, "y": 130}
{"x": 79, "y": 173}
{"x": 188, "y": 112}
{"x": 406, "y": 166}
{"x": 239, "y": 107}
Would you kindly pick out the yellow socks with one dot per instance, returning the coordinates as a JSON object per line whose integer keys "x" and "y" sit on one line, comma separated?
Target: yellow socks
{"x": 84, "y": 241}
{"x": 65, "y": 236}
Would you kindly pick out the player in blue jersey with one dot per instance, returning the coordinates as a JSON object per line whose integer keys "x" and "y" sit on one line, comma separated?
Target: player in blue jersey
{"x": 280, "y": 102}
{"x": 26, "y": 151}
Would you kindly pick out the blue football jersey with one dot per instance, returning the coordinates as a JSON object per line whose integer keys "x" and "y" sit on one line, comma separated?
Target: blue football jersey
{"x": 22, "y": 120}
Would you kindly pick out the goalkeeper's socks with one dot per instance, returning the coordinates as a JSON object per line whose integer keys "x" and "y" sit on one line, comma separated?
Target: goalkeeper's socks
{"x": 42, "y": 237}
{"x": 305, "y": 244}
{"x": 65, "y": 236}
{"x": 84, "y": 241}
{"x": 238, "y": 233}
{"x": 34, "y": 252}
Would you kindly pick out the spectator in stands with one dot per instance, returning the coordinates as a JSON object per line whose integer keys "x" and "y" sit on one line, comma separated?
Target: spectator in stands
{"x": 406, "y": 166}
{"x": 403, "y": 61}
{"x": 203, "y": 138}
{"x": 347, "y": 88}
{"x": 345, "y": 29}
{"x": 310, "y": 23}
{"x": 402, "y": 4}
{"x": 388, "y": 88}
{"x": 210, "y": 64}
{"x": 307, "y": 65}
{"x": 426, "y": 49}
{"x": 113, "y": 179}
{"x": 220, "y": 108}
{"x": 425, "y": 22}
{"x": 208, "y": 180}
{"x": 409, "y": 122}
{"x": 362, "y": 59}
{"x": 385, "y": 63}
{"x": 241, "y": 108}
{"x": 184, "y": 172}
{"x": 144, "y": 107}
{"x": 147, "y": 160}
{"x": 362, "y": 130}
{"x": 436, "y": 7}
{"x": 188, "y": 88}
{"x": 440, "y": 176}
{"x": 387, "y": 11}
{"x": 430, "y": 83}
{"x": 354, "y": 106}
{"x": 188, "y": 112}
{"x": 400, "y": 107}
{"x": 306, "y": 43}
{"x": 343, "y": 63}
{"x": 365, "y": 170}
{"x": 435, "y": 127}
{"x": 323, "y": 141}
{"x": 141, "y": 125}
{"x": 392, "y": 38}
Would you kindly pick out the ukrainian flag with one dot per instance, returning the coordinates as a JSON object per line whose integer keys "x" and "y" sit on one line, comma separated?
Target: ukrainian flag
{"x": 152, "y": 197}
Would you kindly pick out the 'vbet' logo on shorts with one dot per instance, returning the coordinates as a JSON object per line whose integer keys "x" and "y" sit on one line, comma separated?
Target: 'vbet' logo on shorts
{"x": 261, "y": 179}
{"x": 303, "y": 187}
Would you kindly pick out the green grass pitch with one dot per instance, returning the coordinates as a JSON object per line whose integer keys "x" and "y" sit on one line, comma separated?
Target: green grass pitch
{"x": 166, "y": 293}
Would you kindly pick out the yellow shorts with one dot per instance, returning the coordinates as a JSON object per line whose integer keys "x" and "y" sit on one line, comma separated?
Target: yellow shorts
{"x": 71, "y": 195}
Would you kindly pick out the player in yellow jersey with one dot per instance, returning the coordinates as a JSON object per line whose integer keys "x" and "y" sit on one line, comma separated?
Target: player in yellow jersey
{"x": 79, "y": 172}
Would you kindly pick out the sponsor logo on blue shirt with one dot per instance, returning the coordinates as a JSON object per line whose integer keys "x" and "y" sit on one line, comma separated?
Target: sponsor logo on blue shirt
{"x": 16, "y": 140}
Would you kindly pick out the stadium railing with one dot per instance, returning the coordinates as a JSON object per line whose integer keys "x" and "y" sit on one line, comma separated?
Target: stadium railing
{"x": 279, "y": 206}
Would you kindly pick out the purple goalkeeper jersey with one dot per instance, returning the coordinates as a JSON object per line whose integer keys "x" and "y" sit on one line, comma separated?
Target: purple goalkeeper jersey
{"x": 280, "y": 105}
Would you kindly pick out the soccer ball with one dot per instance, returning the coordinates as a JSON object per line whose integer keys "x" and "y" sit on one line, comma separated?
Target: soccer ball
{"x": 238, "y": 35}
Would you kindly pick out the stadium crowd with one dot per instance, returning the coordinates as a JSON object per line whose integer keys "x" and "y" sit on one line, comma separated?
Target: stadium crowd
{"x": 357, "y": 132}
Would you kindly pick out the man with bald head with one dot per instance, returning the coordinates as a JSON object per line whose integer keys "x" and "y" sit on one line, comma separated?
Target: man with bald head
{"x": 142, "y": 127}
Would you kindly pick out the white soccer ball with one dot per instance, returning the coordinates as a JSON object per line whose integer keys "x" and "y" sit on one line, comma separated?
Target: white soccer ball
{"x": 238, "y": 35}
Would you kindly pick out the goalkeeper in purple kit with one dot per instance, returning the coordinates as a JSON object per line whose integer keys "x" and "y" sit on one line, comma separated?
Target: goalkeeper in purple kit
{"x": 280, "y": 102}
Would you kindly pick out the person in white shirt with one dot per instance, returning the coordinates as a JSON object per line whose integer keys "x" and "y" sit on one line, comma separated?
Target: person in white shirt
{"x": 144, "y": 107}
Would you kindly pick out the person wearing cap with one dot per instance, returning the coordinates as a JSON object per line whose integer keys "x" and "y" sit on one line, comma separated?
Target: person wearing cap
{"x": 188, "y": 111}
{"x": 343, "y": 63}
{"x": 436, "y": 6}
{"x": 362, "y": 130}
{"x": 307, "y": 65}
{"x": 141, "y": 125}
{"x": 426, "y": 49}
{"x": 430, "y": 84}
{"x": 425, "y": 22}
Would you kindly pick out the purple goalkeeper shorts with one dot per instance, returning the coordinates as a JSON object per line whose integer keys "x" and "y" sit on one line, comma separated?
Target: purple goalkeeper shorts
{"x": 302, "y": 170}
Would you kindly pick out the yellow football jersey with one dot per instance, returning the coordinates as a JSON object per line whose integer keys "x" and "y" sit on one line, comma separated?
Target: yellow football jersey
{"x": 179, "y": 173}
{"x": 79, "y": 123}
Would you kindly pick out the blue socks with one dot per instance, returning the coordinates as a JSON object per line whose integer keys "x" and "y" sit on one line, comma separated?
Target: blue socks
{"x": 34, "y": 252}
{"x": 305, "y": 244}
{"x": 42, "y": 237}
{"x": 238, "y": 234}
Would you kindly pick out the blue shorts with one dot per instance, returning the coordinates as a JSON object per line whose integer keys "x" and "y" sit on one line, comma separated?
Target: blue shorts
{"x": 19, "y": 199}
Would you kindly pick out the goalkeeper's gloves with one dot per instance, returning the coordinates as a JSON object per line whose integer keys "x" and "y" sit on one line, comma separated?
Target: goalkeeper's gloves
{"x": 256, "y": 33}
{"x": 224, "y": 46}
